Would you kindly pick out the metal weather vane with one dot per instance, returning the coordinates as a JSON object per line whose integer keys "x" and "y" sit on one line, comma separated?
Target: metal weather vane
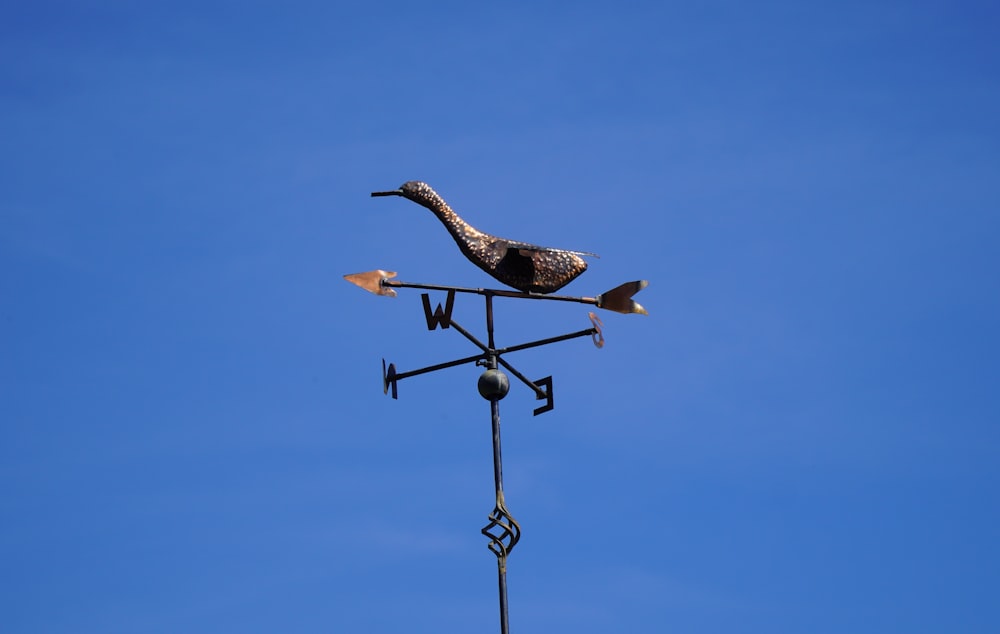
{"x": 536, "y": 272}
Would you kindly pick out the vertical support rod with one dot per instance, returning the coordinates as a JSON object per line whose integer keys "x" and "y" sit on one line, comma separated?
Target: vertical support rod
{"x": 503, "y": 530}
{"x": 489, "y": 321}
{"x": 498, "y": 480}
{"x": 497, "y": 468}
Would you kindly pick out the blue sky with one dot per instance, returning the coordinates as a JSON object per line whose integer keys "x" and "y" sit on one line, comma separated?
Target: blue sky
{"x": 802, "y": 436}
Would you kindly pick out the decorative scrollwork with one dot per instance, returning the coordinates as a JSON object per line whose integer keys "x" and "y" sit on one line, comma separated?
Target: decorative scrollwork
{"x": 503, "y": 531}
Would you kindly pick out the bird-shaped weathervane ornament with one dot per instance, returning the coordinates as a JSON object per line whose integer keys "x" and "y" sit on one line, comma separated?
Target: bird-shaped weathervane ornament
{"x": 527, "y": 267}
{"x": 536, "y": 272}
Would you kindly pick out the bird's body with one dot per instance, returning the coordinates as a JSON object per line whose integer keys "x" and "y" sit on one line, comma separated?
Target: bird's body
{"x": 526, "y": 267}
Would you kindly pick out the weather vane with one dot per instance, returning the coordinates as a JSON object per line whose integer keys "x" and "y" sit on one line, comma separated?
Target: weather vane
{"x": 536, "y": 272}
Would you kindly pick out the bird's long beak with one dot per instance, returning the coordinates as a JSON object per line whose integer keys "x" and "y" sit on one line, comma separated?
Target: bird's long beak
{"x": 395, "y": 192}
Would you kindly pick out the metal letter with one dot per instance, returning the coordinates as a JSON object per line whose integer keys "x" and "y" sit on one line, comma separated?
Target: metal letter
{"x": 389, "y": 379}
{"x": 546, "y": 384}
{"x": 442, "y": 317}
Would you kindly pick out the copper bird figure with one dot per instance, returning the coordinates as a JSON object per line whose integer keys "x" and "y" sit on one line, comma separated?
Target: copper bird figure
{"x": 527, "y": 267}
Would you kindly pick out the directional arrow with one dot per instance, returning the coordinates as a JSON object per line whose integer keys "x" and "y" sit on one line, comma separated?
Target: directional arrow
{"x": 618, "y": 299}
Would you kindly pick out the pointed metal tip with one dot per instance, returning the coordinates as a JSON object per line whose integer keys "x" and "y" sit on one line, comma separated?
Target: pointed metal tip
{"x": 619, "y": 299}
{"x": 371, "y": 281}
{"x": 395, "y": 192}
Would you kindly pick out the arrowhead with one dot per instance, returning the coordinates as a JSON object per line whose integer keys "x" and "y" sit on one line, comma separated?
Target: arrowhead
{"x": 620, "y": 300}
{"x": 371, "y": 281}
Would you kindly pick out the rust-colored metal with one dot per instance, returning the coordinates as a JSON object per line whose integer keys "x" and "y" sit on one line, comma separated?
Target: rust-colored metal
{"x": 598, "y": 335}
{"x": 619, "y": 299}
{"x": 527, "y": 267}
{"x": 373, "y": 281}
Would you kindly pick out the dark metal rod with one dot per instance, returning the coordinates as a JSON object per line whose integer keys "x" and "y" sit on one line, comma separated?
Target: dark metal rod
{"x": 471, "y": 337}
{"x": 498, "y": 482}
{"x": 522, "y": 346}
{"x": 502, "y": 584}
{"x": 497, "y": 461}
{"x": 539, "y": 392}
{"x": 491, "y": 361}
{"x": 440, "y": 366}
{"x": 489, "y": 291}
{"x": 489, "y": 319}
{"x": 543, "y": 342}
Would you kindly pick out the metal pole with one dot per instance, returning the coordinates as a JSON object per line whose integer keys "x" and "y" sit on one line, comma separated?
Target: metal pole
{"x": 497, "y": 469}
{"x": 498, "y": 480}
{"x": 494, "y": 385}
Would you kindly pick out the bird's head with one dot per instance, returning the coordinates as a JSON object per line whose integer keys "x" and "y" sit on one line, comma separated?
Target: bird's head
{"x": 417, "y": 191}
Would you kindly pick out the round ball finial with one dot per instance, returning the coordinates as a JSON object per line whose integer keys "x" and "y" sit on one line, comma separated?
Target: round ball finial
{"x": 493, "y": 385}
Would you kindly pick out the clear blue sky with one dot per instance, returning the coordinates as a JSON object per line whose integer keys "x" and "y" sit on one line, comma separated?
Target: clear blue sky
{"x": 802, "y": 436}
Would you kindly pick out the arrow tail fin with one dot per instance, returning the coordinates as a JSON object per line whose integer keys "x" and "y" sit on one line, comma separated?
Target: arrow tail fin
{"x": 619, "y": 299}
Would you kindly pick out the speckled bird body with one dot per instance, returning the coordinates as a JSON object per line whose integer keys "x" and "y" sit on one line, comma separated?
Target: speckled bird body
{"x": 527, "y": 267}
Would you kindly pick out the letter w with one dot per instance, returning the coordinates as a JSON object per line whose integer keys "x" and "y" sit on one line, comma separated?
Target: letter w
{"x": 442, "y": 317}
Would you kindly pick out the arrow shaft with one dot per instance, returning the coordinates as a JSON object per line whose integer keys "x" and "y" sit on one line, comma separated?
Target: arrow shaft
{"x": 488, "y": 292}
